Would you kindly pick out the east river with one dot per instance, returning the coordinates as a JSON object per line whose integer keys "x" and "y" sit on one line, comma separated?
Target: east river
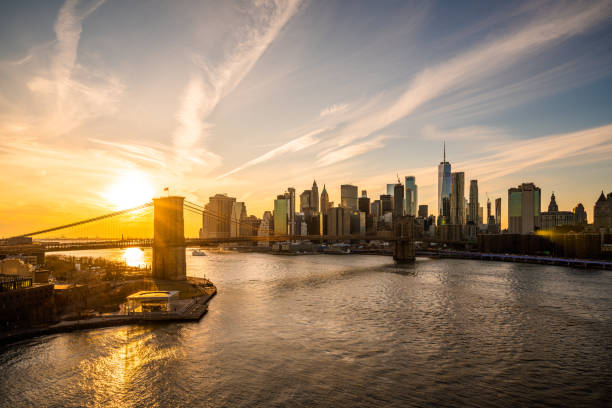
{"x": 342, "y": 331}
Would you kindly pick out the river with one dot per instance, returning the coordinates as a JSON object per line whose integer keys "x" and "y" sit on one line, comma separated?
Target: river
{"x": 339, "y": 330}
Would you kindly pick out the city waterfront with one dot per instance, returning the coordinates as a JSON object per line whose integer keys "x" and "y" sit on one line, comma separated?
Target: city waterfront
{"x": 341, "y": 330}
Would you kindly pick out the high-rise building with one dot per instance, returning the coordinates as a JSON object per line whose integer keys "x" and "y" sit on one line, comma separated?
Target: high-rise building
{"x": 390, "y": 188}
{"x": 423, "y": 210}
{"x": 217, "y": 219}
{"x": 480, "y": 213}
{"x": 338, "y": 221}
{"x": 473, "y": 204}
{"x": 457, "y": 199}
{"x": 364, "y": 202}
{"x": 488, "y": 209}
{"x": 266, "y": 227}
{"x": 281, "y": 215}
{"x": 386, "y": 203}
{"x": 348, "y": 197}
{"x": 411, "y": 197}
{"x": 444, "y": 189}
{"x": 498, "y": 214}
{"x": 324, "y": 201}
{"x": 524, "y": 204}
{"x": 375, "y": 209}
{"x": 238, "y": 217}
{"x": 314, "y": 201}
{"x": 398, "y": 200}
{"x": 305, "y": 203}
{"x": 291, "y": 197}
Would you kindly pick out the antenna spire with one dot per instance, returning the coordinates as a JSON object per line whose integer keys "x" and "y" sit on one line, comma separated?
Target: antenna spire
{"x": 444, "y": 161}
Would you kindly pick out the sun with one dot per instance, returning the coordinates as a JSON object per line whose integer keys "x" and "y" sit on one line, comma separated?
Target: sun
{"x": 131, "y": 190}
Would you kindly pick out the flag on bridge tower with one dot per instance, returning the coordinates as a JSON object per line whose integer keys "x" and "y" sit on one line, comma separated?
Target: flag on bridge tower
{"x": 166, "y": 189}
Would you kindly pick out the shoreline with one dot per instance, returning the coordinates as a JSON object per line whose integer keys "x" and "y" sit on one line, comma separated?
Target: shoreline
{"x": 66, "y": 326}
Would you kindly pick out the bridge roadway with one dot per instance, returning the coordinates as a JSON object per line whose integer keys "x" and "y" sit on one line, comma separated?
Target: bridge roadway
{"x": 57, "y": 246}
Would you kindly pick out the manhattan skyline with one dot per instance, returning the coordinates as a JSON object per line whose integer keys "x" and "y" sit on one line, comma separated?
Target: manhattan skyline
{"x": 248, "y": 99}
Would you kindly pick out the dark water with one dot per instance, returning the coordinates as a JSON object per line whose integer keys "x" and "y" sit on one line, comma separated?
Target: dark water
{"x": 343, "y": 331}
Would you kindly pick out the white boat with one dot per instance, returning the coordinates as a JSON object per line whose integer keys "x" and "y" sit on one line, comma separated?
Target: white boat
{"x": 197, "y": 252}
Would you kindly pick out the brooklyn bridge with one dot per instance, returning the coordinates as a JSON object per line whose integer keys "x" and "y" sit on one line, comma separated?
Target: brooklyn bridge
{"x": 169, "y": 241}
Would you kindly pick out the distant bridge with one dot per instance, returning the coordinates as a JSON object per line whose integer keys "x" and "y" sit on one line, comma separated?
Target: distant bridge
{"x": 169, "y": 242}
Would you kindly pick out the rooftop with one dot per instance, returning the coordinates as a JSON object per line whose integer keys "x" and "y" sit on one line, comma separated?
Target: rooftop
{"x": 154, "y": 294}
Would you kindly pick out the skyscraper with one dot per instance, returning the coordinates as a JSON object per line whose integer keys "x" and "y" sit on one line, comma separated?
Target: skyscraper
{"x": 324, "y": 201}
{"x": 314, "y": 200}
{"x": 291, "y": 197}
{"x": 398, "y": 200}
{"x": 411, "y": 198}
{"x": 281, "y": 215}
{"x": 498, "y": 211}
{"x": 444, "y": 189}
{"x": 524, "y": 209}
{"x": 457, "y": 199}
{"x": 364, "y": 202}
{"x": 348, "y": 197}
{"x": 423, "y": 210}
{"x": 390, "y": 188}
{"x": 305, "y": 200}
{"x": 473, "y": 204}
{"x": 216, "y": 220}
{"x": 488, "y": 209}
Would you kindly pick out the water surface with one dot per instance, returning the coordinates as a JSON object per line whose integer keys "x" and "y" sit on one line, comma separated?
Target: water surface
{"x": 343, "y": 331}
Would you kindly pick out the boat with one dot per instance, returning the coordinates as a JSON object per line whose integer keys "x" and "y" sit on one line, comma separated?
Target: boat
{"x": 197, "y": 252}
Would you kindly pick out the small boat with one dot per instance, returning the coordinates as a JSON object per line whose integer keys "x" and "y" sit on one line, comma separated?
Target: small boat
{"x": 197, "y": 252}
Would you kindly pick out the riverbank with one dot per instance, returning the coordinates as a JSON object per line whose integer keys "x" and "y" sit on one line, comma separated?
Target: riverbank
{"x": 192, "y": 312}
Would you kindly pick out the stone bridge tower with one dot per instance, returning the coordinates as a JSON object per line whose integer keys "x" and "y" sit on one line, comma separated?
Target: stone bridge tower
{"x": 169, "y": 239}
{"x": 403, "y": 232}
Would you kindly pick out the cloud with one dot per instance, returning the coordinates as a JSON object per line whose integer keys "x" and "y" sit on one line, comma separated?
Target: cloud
{"x": 292, "y": 146}
{"x": 203, "y": 93}
{"x": 469, "y": 133}
{"x": 335, "y": 108}
{"x": 481, "y": 62}
{"x": 345, "y": 153}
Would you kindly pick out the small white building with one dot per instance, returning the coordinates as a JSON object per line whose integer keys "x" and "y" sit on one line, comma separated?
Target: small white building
{"x": 153, "y": 301}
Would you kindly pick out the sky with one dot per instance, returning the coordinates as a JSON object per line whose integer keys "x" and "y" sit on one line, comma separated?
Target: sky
{"x": 103, "y": 104}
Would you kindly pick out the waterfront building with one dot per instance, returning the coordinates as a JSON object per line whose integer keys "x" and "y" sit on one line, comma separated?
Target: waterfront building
{"x": 338, "y": 221}
{"x": 281, "y": 215}
{"x": 580, "y": 214}
{"x": 457, "y": 199}
{"x": 314, "y": 199}
{"x": 364, "y": 202}
{"x": 153, "y": 301}
{"x": 265, "y": 228}
{"x": 555, "y": 218}
{"x": 217, "y": 217}
{"x": 524, "y": 209}
{"x": 324, "y": 201}
{"x": 444, "y": 189}
{"x": 498, "y": 210}
{"x": 348, "y": 197}
{"x": 411, "y": 197}
{"x": 423, "y": 211}
{"x": 473, "y": 216}
{"x": 237, "y": 217}
{"x": 602, "y": 212}
{"x": 398, "y": 200}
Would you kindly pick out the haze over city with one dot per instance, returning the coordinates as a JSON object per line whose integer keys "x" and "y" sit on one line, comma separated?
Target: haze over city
{"x": 104, "y": 103}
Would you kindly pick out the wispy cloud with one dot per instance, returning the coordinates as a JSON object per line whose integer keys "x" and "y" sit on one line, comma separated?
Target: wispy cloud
{"x": 469, "y": 133}
{"x": 335, "y": 108}
{"x": 481, "y": 62}
{"x": 345, "y": 153}
{"x": 292, "y": 146}
{"x": 203, "y": 93}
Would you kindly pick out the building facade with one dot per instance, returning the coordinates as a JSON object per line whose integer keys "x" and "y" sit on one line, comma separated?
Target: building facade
{"x": 524, "y": 204}
{"x": 444, "y": 190}
{"x": 602, "y": 212}
{"x": 473, "y": 204}
{"x": 348, "y": 197}
{"x": 217, "y": 217}
{"x": 411, "y": 196}
{"x": 457, "y": 199}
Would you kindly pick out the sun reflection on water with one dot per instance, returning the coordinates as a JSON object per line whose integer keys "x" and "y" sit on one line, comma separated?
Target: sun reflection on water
{"x": 134, "y": 257}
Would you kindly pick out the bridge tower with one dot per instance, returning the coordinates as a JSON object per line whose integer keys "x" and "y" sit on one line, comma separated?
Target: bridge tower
{"x": 403, "y": 232}
{"x": 169, "y": 239}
